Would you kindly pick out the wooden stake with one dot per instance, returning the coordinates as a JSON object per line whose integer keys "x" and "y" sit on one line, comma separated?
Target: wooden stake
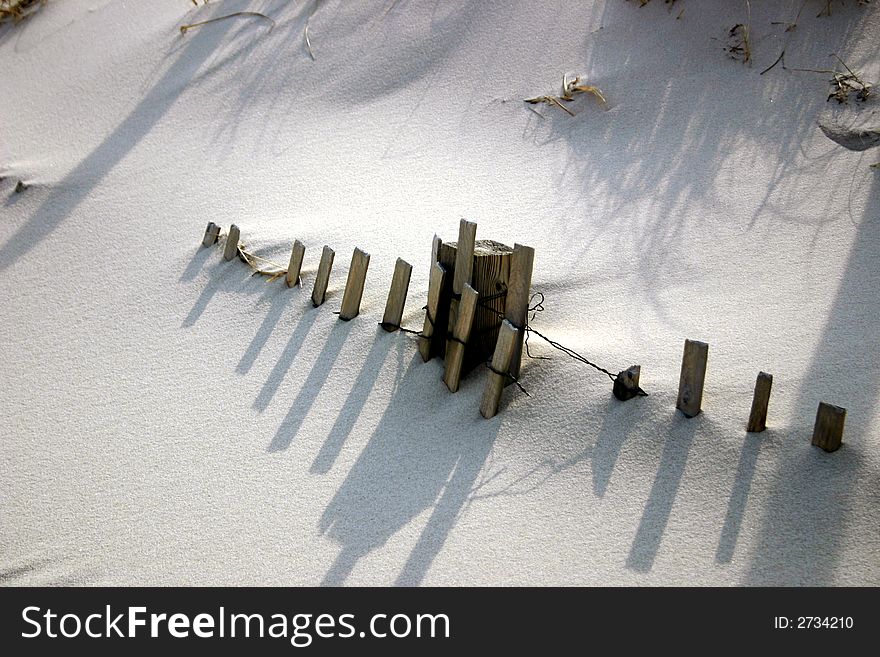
{"x": 517, "y": 305}
{"x": 212, "y": 232}
{"x": 435, "y": 285}
{"x": 693, "y": 375}
{"x": 758, "y": 415}
{"x": 500, "y": 363}
{"x": 231, "y": 249}
{"x": 323, "y": 277}
{"x": 463, "y": 270}
{"x": 354, "y": 286}
{"x": 828, "y": 430}
{"x": 295, "y": 265}
{"x": 461, "y": 335}
{"x": 397, "y": 295}
{"x": 626, "y": 385}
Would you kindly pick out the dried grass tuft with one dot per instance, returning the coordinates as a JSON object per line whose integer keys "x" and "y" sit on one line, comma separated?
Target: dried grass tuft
{"x": 18, "y": 10}
{"x": 570, "y": 89}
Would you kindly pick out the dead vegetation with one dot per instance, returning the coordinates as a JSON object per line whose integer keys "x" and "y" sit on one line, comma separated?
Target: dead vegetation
{"x": 570, "y": 90}
{"x": 18, "y": 10}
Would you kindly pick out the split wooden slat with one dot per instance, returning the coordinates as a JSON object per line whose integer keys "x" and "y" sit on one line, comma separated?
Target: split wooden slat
{"x": 461, "y": 334}
{"x": 517, "y": 305}
{"x": 319, "y": 292}
{"x": 435, "y": 285}
{"x": 758, "y": 414}
{"x": 354, "y": 286}
{"x": 397, "y": 295}
{"x": 507, "y": 337}
{"x": 212, "y": 232}
{"x": 231, "y": 248}
{"x": 297, "y": 253}
{"x": 828, "y": 430}
{"x": 693, "y": 376}
{"x": 463, "y": 270}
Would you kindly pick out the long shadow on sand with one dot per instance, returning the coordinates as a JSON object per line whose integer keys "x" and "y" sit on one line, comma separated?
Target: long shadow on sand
{"x": 415, "y": 460}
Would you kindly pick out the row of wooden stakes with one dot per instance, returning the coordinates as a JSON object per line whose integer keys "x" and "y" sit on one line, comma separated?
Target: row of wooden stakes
{"x": 505, "y": 364}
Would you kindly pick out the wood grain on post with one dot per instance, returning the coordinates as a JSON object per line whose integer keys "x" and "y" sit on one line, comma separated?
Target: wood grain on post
{"x": 693, "y": 376}
{"x": 500, "y": 363}
{"x": 231, "y": 248}
{"x": 464, "y": 266}
{"x": 758, "y": 415}
{"x": 397, "y": 295}
{"x": 295, "y": 265}
{"x": 461, "y": 334}
{"x": 436, "y": 243}
{"x": 828, "y": 430}
{"x": 354, "y": 286}
{"x": 319, "y": 292}
{"x": 212, "y": 232}
{"x": 517, "y": 306}
{"x": 435, "y": 285}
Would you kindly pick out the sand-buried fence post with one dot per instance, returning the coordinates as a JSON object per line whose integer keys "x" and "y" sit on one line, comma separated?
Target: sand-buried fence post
{"x": 397, "y": 295}
{"x": 460, "y": 336}
{"x": 498, "y": 369}
{"x": 517, "y": 306}
{"x": 297, "y": 253}
{"x": 354, "y": 285}
{"x": 464, "y": 267}
{"x": 626, "y": 385}
{"x": 319, "y": 292}
{"x": 231, "y": 248}
{"x": 693, "y": 376}
{"x": 760, "y": 401}
{"x": 435, "y": 286}
{"x": 212, "y": 233}
{"x": 828, "y": 430}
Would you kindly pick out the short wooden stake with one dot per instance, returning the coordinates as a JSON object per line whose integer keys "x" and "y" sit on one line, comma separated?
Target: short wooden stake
{"x": 464, "y": 266}
{"x": 693, "y": 375}
{"x": 507, "y": 337}
{"x": 297, "y": 253}
{"x": 460, "y": 336}
{"x": 323, "y": 276}
{"x": 231, "y": 248}
{"x": 517, "y": 305}
{"x": 435, "y": 285}
{"x": 626, "y": 385}
{"x": 397, "y": 295}
{"x": 354, "y": 286}
{"x": 212, "y": 232}
{"x": 828, "y": 431}
{"x": 758, "y": 415}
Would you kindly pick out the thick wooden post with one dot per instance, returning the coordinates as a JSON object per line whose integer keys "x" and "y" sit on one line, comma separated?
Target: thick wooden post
{"x": 397, "y": 295}
{"x": 231, "y": 248}
{"x": 319, "y": 292}
{"x": 460, "y": 336}
{"x": 497, "y": 375}
{"x": 758, "y": 415}
{"x": 828, "y": 430}
{"x": 435, "y": 285}
{"x": 212, "y": 232}
{"x": 693, "y": 375}
{"x": 517, "y": 305}
{"x": 354, "y": 286}
{"x": 295, "y": 265}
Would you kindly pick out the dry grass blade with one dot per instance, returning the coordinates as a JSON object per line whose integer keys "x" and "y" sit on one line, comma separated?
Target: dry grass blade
{"x": 252, "y": 261}
{"x": 255, "y": 14}
{"x": 306, "y": 30}
{"x": 570, "y": 88}
{"x": 550, "y": 100}
{"x": 17, "y": 10}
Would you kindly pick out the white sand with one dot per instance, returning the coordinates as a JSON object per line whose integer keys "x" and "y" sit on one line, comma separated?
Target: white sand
{"x": 167, "y": 419}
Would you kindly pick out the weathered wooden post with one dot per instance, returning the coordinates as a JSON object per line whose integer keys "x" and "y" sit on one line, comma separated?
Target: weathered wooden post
{"x": 212, "y": 232}
{"x": 354, "y": 286}
{"x": 517, "y": 305}
{"x": 322, "y": 278}
{"x": 231, "y": 248}
{"x": 397, "y": 295}
{"x": 626, "y": 385}
{"x": 460, "y": 336}
{"x": 498, "y": 377}
{"x": 297, "y": 253}
{"x": 463, "y": 269}
{"x": 760, "y": 401}
{"x": 693, "y": 376}
{"x": 435, "y": 287}
{"x": 828, "y": 430}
